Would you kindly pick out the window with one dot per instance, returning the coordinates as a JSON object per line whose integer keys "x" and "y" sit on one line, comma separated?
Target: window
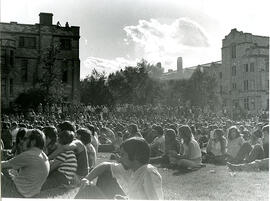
{"x": 246, "y": 104}
{"x": 252, "y": 84}
{"x": 3, "y": 57}
{"x": 251, "y": 67}
{"x": 65, "y": 76}
{"x": 24, "y": 70}
{"x": 234, "y": 85}
{"x": 65, "y": 44}
{"x": 27, "y": 42}
{"x": 252, "y": 103}
{"x": 245, "y": 85}
{"x": 3, "y": 87}
{"x": 246, "y": 67}
{"x": 233, "y": 51}
{"x": 220, "y": 75}
{"x": 235, "y": 103}
{"x": 234, "y": 71}
{"x": 11, "y": 87}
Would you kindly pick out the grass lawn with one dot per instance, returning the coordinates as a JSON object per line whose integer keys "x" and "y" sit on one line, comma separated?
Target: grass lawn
{"x": 208, "y": 183}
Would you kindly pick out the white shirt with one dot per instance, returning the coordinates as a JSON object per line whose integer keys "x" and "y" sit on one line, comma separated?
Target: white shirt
{"x": 143, "y": 184}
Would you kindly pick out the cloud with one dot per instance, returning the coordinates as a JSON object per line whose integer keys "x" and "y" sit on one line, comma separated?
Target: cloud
{"x": 104, "y": 65}
{"x": 165, "y": 42}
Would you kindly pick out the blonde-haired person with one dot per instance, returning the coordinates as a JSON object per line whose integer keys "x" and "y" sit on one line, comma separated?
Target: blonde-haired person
{"x": 191, "y": 157}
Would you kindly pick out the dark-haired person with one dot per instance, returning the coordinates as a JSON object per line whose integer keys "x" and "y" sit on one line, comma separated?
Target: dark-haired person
{"x": 94, "y": 136}
{"x": 84, "y": 135}
{"x": 260, "y": 158}
{"x": 51, "y": 139}
{"x": 63, "y": 168}
{"x": 158, "y": 145}
{"x": 191, "y": 157}
{"x": 32, "y": 165}
{"x": 216, "y": 148}
{"x": 77, "y": 146}
{"x": 138, "y": 179}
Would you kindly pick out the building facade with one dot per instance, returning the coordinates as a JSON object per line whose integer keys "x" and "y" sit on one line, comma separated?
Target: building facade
{"x": 23, "y": 47}
{"x": 245, "y": 72}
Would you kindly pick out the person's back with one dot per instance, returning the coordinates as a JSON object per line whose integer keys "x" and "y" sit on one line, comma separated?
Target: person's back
{"x": 32, "y": 165}
{"x": 82, "y": 158}
{"x": 33, "y": 172}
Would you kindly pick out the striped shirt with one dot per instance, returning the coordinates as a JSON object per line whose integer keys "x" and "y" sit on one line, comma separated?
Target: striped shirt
{"x": 68, "y": 164}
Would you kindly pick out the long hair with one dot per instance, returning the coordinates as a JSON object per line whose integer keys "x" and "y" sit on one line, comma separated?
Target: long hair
{"x": 185, "y": 133}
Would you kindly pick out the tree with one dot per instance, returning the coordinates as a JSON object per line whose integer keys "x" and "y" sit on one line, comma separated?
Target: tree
{"x": 201, "y": 89}
{"x": 50, "y": 81}
{"x": 30, "y": 99}
{"x": 95, "y": 91}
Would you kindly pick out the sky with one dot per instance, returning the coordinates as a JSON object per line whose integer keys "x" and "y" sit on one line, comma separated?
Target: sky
{"x": 119, "y": 33}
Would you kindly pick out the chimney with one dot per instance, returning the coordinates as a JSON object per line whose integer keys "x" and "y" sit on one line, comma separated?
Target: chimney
{"x": 179, "y": 64}
{"x": 45, "y": 19}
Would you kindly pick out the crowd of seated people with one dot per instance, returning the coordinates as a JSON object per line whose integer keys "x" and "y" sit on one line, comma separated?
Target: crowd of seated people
{"x": 67, "y": 146}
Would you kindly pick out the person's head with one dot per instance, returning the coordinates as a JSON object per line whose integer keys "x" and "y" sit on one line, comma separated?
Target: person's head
{"x": 170, "y": 136}
{"x": 132, "y": 128}
{"x": 133, "y": 152}
{"x": 158, "y": 130}
{"x": 20, "y": 135}
{"x": 51, "y": 134}
{"x": 218, "y": 134}
{"x": 185, "y": 133}
{"x": 65, "y": 137}
{"x": 91, "y": 128}
{"x": 14, "y": 125}
{"x": 233, "y": 133}
{"x": 265, "y": 131}
{"x": 34, "y": 138}
{"x": 66, "y": 126}
{"x": 84, "y": 135}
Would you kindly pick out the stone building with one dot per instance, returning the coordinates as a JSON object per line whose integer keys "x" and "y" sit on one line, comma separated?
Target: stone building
{"x": 22, "y": 50}
{"x": 245, "y": 72}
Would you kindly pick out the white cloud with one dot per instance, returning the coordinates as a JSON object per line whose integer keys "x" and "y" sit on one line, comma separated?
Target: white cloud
{"x": 165, "y": 42}
{"x": 106, "y": 65}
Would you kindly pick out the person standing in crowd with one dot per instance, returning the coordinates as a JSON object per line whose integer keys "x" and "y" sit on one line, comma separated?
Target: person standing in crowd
{"x": 138, "y": 179}
{"x": 32, "y": 165}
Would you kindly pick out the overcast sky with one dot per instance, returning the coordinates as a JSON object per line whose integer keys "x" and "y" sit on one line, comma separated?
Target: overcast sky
{"x": 117, "y": 33}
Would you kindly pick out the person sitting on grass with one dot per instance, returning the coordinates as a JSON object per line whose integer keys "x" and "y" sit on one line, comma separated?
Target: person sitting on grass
{"x": 216, "y": 148}
{"x": 158, "y": 145}
{"x": 77, "y": 146}
{"x": 63, "y": 167}
{"x": 84, "y": 135}
{"x": 32, "y": 165}
{"x": 51, "y": 139}
{"x": 258, "y": 157}
{"x": 138, "y": 179}
{"x": 191, "y": 158}
{"x": 235, "y": 141}
{"x": 171, "y": 145}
